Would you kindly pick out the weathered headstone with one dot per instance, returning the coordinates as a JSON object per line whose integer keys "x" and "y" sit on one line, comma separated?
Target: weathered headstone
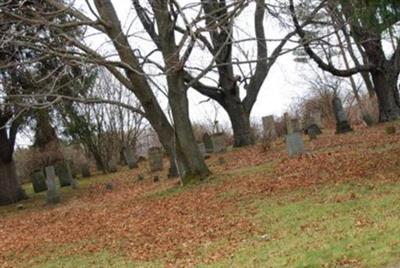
{"x": 85, "y": 169}
{"x": 39, "y": 181}
{"x": 295, "y": 124}
{"x": 316, "y": 118}
{"x": 342, "y": 125}
{"x": 269, "y": 127}
{"x": 130, "y": 158}
{"x": 208, "y": 144}
{"x": 202, "y": 149}
{"x": 51, "y": 182}
{"x": 155, "y": 157}
{"x": 74, "y": 168}
{"x": 312, "y": 131}
{"x": 112, "y": 166}
{"x": 64, "y": 174}
{"x": 295, "y": 144}
{"x": 218, "y": 142}
{"x": 288, "y": 123}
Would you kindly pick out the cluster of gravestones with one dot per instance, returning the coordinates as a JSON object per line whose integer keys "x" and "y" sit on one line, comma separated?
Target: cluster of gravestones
{"x": 214, "y": 143}
{"x": 312, "y": 127}
{"x": 46, "y": 180}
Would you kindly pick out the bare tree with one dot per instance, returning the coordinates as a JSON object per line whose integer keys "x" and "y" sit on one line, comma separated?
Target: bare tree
{"x": 178, "y": 139}
{"x": 368, "y": 25}
{"x": 104, "y": 129}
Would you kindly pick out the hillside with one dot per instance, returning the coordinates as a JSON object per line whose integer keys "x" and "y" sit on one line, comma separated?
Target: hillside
{"x": 338, "y": 205}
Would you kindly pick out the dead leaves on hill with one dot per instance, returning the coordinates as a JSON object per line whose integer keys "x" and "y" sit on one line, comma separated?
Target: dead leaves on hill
{"x": 182, "y": 228}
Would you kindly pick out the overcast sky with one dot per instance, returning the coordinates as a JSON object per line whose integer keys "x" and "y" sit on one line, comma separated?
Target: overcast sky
{"x": 281, "y": 86}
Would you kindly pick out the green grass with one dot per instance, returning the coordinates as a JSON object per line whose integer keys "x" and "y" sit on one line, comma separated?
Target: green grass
{"x": 99, "y": 259}
{"x": 331, "y": 227}
{"x": 351, "y": 224}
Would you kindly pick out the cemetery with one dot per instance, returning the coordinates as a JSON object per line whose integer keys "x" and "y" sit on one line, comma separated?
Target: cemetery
{"x": 164, "y": 133}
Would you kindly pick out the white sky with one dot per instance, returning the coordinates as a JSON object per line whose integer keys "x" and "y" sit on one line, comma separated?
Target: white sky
{"x": 281, "y": 85}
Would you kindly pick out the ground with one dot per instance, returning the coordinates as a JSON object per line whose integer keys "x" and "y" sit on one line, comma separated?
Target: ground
{"x": 336, "y": 206}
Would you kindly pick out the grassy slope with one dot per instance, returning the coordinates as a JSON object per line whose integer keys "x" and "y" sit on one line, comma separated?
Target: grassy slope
{"x": 257, "y": 211}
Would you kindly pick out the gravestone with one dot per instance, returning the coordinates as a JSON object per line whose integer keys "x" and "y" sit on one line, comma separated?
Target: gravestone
{"x": 342, "y": 125}
{"x": 288, "y": 123}
{"x": 312, "y": 131}
{"x": 130, "y": 158}
{"x": 218, "y": 142}
{"x": 208, "y": 144}
{"x": 74, "y": 169}
{"x": 39, "y": 181}
{"x": 295, "y": 144}
{"x": 295, "y": 124}
{"x": 112, "y": 166}
{"x": 51, "y": 182}
{"x": 316, "y": 118}
{"x": 155, "y": 157}
{"x": 269, "y": 127}
{"x": 64, "y": 174}
{"x": 85, "y": 169}
{"x": 202, "y": 149}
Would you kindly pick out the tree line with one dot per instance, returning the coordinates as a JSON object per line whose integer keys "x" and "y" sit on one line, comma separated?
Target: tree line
{"x": 52, "y": 51}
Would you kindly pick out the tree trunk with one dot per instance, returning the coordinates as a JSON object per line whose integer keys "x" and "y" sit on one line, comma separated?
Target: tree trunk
{"x": 10, "y": 190}
{"x": 240, "y": 120}
{"x": 191, "y": 164}
{"x": 387, "y": 94}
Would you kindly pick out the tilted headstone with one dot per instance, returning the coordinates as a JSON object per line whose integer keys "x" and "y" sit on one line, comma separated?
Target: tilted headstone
{"x": 155, "y": 158}
{"x": 39, "y": 181}
{"x": 85, "y": 169}
{"x": 218, "y": 142}
{"x": 130, "y": 158}
{"x": 64, "y": 174}
{"x": 51, "y": 182}
{"x": 269, "y": 127}
{"x": 295, "y": 144}
{"x": 342, "y": 125}
{"x": 208, "y": 144}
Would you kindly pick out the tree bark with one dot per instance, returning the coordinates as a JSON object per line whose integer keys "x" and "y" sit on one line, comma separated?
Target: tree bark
{"x": 182, "y": 144}
{"x": 387, "y": 94}
{"x": 10, "y": 190}
{"x": 240, "y": 120}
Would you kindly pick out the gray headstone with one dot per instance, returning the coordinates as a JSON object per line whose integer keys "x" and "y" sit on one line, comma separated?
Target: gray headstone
{"x": 342, "y": 125}
{"x": 64, "y": 174}
{"x": 112, "y": 166}
{"x": 39, "y": 181}
{"x": 269, "y": 127}
{"x": 202, "y": 149}
{"x": 312, "y": 131}
{"x": 218, "y": 142}
{"x": 208, "y": 144}
{"x": 288, "y": 123}
{"x": 51, "y": 182}
{"x": 295, "y": 144}
{"x": 155, "y": 158}
{"x": 316, "y": 118}
{"x": 130, "y": 158}
{"x": 85, "y": 169}
{"x": 295, "y": 124}
{"x": 74, "y": 168}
